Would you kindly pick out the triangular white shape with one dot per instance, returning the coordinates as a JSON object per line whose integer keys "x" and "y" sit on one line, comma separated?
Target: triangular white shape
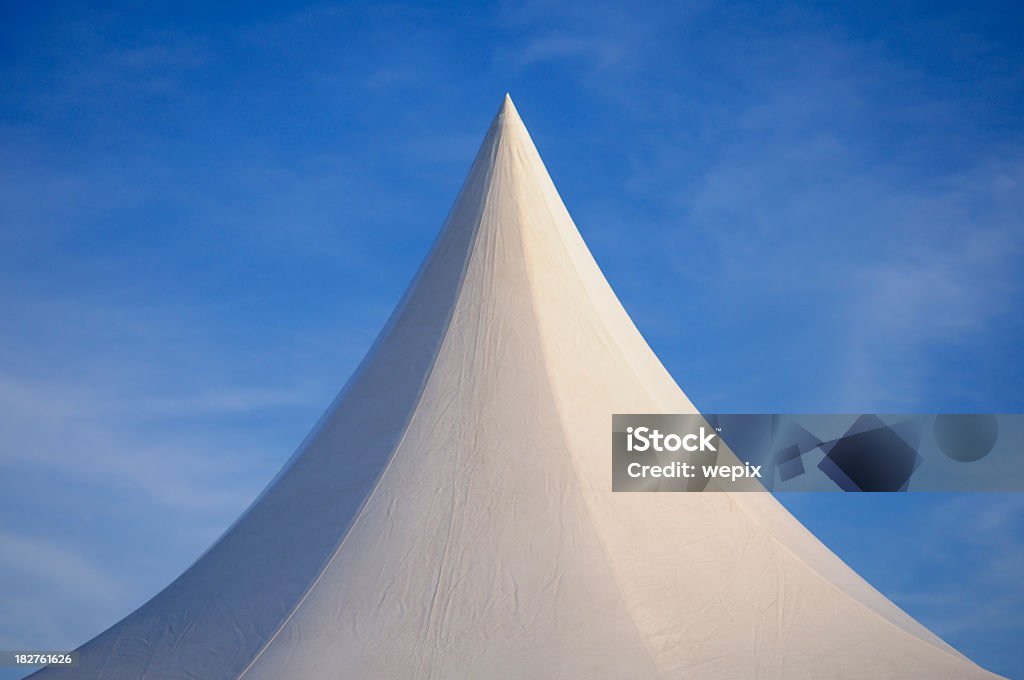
{"x": 451, "y": 516}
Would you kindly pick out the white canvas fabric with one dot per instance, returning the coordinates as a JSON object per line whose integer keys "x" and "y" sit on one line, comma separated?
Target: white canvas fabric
{"x": 451, "y": 516}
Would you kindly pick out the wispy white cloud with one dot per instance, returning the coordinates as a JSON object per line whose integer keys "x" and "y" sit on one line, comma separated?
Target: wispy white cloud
{"x": 603, "y": 38}
{"x": 946, "y": 284}
{"x": 46, "y": 572}
{"x": 152, "y": 63}
{"x": 127, "y": 444}
{"x": 970, "y": 543}
{"x": 871, "y": 253}
{"x": 54, "y": 566}
{"x": 74, "y": 437}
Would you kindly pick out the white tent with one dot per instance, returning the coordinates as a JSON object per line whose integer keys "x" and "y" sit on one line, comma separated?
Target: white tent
{"x": 451, "y": 516}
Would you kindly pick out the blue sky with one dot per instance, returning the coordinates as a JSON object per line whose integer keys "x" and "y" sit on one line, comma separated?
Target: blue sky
{"x": 206, "y": 213}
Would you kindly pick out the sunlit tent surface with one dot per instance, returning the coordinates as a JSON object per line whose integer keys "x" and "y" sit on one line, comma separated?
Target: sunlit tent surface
{"x": 451, "y": 516}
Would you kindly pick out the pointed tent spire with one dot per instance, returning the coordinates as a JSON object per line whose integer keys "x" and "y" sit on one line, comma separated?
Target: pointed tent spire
{"x": 507, "y": 111}
{"x": 451, "y": 515}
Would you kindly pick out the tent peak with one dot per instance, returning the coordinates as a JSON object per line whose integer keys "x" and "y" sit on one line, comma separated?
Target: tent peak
{"x": 507, "y": 113}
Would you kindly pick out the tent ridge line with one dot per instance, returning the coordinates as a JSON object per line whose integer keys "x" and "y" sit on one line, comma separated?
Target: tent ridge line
{"x": 581, "y": 487}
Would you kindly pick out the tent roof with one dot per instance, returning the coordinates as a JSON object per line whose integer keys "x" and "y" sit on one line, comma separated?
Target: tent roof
{"x": 451, "y": 515}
